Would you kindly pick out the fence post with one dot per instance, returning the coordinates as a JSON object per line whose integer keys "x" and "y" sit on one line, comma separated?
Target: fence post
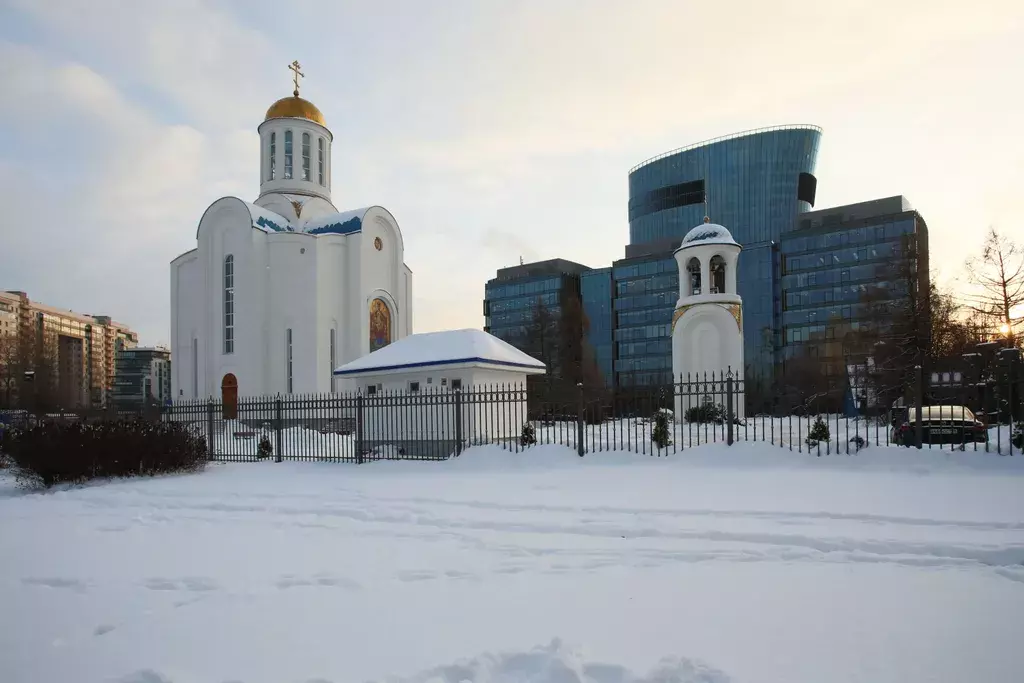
{"x": 918, "y": 403}
{"x": 1009, "y": 396}
{"x": 458, "y": 422}
{"x": 729, "y": 412}
{"x": 359, "y": 429}
{"x": 984, "y": 409}
{"x": 579, "y": 420}
{"x": 209, "y": 427}
{"x": 278, "y": 427}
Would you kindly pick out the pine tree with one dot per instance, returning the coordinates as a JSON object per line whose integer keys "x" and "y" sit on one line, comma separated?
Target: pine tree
{"x": 819, "y": 432}
{"x": 528, "y": 437}
{"x": 264, "y": 450}
{"x": 660, "y": 434}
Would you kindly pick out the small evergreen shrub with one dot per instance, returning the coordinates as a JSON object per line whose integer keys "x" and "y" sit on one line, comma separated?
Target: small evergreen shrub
{"x": 1017, "y": 438}
{"x": 858, "y": 443}
{"x": 528, "y": 436}
{"x": 819, "y": 432}
{"x": 713, "y": 413}
{"x": 55, "y": 453}
{"x": 264, "y": 450}
{"x": 660, "y": 435}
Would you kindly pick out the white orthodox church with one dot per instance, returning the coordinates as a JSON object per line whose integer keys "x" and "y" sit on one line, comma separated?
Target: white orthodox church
{"x": 281, "y": 291}
{"x": 707, "y": 324}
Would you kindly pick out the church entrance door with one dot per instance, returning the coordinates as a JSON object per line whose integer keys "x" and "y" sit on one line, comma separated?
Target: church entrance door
{"x": 229, "y": 397}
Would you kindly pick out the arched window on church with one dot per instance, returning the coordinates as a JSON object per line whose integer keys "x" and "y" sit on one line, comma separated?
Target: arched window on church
{"x": 287, "y": 155}
{"x": 271, "y": 168}
{"x": 693, "y": 268}
{"x": 320, "y": 160}
{"x": 305, "y": 156}
{"x": 229, "y": 304}
{"x": 717, "y": 275}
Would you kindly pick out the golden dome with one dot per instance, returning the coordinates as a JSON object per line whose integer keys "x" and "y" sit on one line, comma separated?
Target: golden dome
{"x": 295, "y": 107}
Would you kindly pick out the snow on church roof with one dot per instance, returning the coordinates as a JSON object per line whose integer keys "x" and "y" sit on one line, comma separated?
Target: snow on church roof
{"x": 268, "y": 221}
{"x": 449, "y": 347}
{"x": 708, "y": 233}
{"x": 341, "y": 223}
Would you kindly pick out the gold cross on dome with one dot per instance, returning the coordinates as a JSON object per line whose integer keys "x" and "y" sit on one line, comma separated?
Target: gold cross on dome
{"x": 295, "y": 66}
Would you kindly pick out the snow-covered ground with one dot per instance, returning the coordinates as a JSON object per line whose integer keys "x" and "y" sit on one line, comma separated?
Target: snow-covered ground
{"x": 748, "y": 563}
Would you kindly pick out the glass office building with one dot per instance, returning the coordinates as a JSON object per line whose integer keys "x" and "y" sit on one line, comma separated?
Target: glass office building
{"x": 838, "y": 264}
{"x": 511, "y": 298}
{"x": 754, "y": 183}
{"x": 596, "y": 289}
{"x": 646, "y": 291}
{"x": 143, "y": 377}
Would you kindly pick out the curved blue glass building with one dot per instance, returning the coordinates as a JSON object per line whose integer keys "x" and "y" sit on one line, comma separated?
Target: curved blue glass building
{"x": 754, "y": 183}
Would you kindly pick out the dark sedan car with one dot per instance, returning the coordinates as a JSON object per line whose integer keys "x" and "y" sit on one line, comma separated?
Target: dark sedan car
{"x": 940, "y": 425}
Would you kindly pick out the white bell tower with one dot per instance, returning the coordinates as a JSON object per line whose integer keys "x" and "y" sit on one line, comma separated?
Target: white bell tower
{"x": 707, "y": 324}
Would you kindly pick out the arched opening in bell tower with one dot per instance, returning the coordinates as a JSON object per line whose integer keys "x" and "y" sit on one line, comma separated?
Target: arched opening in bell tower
{"x": 693, "y": 270}
{"x": 717, "y": 267}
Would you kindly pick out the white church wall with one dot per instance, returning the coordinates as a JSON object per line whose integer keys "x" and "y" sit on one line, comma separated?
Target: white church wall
{"x": 225, "y": 228}
{"x": 381, "y": 269}
{"x": 355, "y": 334}
{"x": 333, "y": 281}
{"x": 186, "y": 295}
{"x": 292, "y": 304}
{"x": 407, "y": 301}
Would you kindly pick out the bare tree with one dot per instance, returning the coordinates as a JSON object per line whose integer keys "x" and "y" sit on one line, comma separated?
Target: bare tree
{"x": 28, "y": 371}
{"x": 998, "y": 275}
{"x": 541, "y": 337}
{"x": 11, "y": 370}
{"x": 954, "y": 329}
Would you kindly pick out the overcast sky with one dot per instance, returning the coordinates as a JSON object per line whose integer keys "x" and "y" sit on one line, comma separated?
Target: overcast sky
{"x": 491, "y": 130}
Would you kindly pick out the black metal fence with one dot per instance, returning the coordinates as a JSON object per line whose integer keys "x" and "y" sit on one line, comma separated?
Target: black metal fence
{"x": 436, "y": 424}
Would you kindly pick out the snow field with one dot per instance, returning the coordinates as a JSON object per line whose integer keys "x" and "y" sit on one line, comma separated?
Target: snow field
{"x": 748, "y": 563}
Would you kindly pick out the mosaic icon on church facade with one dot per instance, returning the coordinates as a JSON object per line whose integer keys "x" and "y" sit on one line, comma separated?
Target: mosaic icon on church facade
{"x": 380, "y": 325}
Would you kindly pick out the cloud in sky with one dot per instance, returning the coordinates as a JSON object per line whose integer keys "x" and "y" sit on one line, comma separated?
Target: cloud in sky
{"x": 491, "y": 130}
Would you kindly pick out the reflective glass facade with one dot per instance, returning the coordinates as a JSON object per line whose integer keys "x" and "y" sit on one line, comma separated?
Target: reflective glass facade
{"x": 646, "y": 291}
{"x": 840, "y": 263}
{"x": 596, "y": 290}
{"x": 755, "y": 184}
{"x": 143, "y": 375}
{"x": 510, "y": 299}
{"x": 751, "y": 182}
{"x": 509, "y": 306}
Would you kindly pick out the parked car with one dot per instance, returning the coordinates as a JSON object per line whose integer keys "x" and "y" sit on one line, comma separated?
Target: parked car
{"x": 940, "y": 425}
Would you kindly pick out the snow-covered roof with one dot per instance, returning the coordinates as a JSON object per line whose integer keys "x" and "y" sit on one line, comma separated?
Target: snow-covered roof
{"x": 341, "y": 223}
{"x": 268, "y": 221}
{"x": 708, "y": 233}
{"x": 449, "y": 347}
